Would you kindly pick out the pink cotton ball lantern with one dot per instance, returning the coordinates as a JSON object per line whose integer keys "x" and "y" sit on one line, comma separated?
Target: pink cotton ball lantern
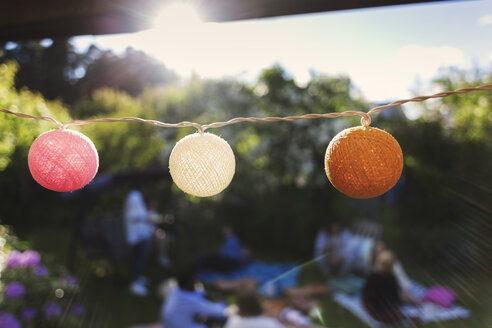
{"x": 63, "y": 160}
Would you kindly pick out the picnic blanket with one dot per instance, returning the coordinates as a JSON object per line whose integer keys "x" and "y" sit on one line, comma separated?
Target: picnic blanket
{"x": 272, "y": 277}
{"x": 428, "y": 312}
{"x": 350, "y": 284}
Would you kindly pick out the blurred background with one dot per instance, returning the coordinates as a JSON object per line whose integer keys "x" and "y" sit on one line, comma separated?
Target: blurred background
{"x": 205, "y": 61}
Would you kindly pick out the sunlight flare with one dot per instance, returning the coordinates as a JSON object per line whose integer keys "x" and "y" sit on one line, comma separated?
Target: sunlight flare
{"x": 177, "y": 15}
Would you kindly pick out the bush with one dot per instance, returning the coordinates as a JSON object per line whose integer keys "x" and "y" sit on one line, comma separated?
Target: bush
{"x": 31, "y": 295}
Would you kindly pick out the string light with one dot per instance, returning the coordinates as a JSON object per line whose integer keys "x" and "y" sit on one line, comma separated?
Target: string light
{"x": 63, "y": 160}
{"x": 202, "y": 164}
{"x": 361, "y": 162}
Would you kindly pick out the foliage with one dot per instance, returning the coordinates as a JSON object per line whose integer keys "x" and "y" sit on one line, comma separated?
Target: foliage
{"x": 44, "y": 68}
{"x": 288, "y": 196}
{"x": 447, "y": 152}
{"x": 280, "y": 163}
{"x": 141, "y": 142}
{"x": 16, "y": 135}
{"x": 17, "y": 189}
{"x": 57, "y": 71}
{"x": 131, "y": 72}
{"x": 467, "y": 116}
{"x": 438, "y": 216}
{"x": 30, "y": 295}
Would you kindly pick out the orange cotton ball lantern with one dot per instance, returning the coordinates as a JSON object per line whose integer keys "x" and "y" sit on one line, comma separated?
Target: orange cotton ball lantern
{"x": 63, "y": 160}
{"x": 363, "y": 162}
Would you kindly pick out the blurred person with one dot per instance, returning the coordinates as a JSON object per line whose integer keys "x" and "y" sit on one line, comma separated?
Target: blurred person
{"x": 398, "y": 271}
{"x": 162, "y": 240}
{"x": 382, "y": 295}
{"x": 185, "y": 306}
{"x": 230, "y": 256}
{"x": 298, "y": 310}
{"x": 139, "y": 232}
{"x": 378, "y": 247}
{"x": 161, "y": 236}
{"x": 233, "y": 285}
{"x": 356, "y": 253}
{"x": 250, "y": 312}
{"x": 329, "y": 248}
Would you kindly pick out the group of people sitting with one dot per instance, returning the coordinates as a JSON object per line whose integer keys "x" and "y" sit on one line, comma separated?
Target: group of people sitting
{"x": 187, "y": 305}
{"x": 386, "y": 286}
{"x": 337, "y": 251}
{"x": 143, "y": 231}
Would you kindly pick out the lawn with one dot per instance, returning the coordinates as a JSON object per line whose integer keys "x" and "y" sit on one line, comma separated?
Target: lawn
{"x": 111, "y": 305}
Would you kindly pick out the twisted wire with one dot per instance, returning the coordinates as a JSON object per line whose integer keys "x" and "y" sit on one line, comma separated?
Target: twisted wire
{"x": 423, "y": 98}
{"x": 365, "y": 117}
{"x": 42, "y": 118}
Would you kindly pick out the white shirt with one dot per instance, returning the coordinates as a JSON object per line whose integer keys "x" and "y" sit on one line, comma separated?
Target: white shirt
{"x": 181, "y": 306}
{"x": 136, "y": 215}
{"x": 402, "y": 278}
{"x": 323, "y": 239}
{"x": 252, "y": 322}
{"x": 320, "y": 243}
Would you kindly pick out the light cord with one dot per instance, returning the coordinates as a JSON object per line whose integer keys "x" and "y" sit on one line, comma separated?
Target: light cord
{"x": 42, "y": 118}
{"x": 365, "y": 117}
{"x": 423, "y": 98}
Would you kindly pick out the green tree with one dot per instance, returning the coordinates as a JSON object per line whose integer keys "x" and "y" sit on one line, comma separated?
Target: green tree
{"x": 447, "y": 153}
{"x": 17, "y": 188}
{"x": 468, "y": 116}
{"x": 17, "y": 134}
{"x": 55, "y": 69}
{"x": 46, "y": 67}
{"x": 121, "y": 145}
{"x": 131, "y": 72}
{"x": 279, "y": 166}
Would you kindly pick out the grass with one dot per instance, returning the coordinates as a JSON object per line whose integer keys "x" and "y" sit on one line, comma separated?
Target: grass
{"x": 110, "y": 304}
{"x": 475, "y": 294}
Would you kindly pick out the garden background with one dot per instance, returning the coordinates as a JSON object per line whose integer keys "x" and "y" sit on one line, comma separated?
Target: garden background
{"x": 437, "y": 218}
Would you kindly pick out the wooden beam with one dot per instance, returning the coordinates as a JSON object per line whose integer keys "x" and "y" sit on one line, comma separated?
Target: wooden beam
{"x": 231, "y": 10}
{"x": 35, "y": 19}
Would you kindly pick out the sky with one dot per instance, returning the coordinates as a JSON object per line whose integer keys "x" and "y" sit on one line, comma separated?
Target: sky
{"x": 388, "y": 52}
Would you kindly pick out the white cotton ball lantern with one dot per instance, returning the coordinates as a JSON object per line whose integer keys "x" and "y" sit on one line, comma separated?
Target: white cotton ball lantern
{"x": 202, "y": 164}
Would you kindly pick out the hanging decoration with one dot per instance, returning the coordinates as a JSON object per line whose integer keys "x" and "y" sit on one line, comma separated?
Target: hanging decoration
{"x": 361, "y": 162}
{"x": 202, "y": 164}
{"x": 63, "y": 160}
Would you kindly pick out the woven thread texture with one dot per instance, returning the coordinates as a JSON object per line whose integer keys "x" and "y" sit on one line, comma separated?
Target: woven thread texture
{"x": 63, "y": 160}
{"x": 202, "y": 164}
{"x": 363, "y": 162}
